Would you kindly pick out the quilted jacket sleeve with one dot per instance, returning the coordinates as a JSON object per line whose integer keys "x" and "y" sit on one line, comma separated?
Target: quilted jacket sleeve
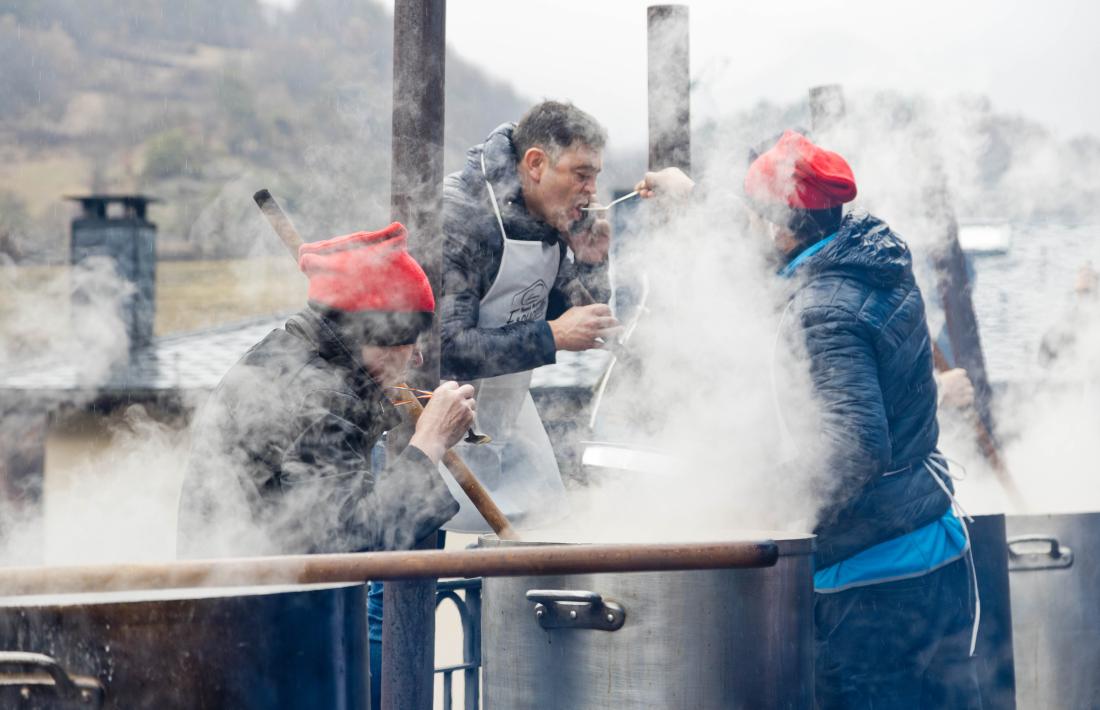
{"x": 326, "y": 480}
{"x": 844, "y": 371}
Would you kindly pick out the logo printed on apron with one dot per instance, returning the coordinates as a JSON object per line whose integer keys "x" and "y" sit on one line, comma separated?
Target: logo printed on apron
{"x": 530, "y": 303}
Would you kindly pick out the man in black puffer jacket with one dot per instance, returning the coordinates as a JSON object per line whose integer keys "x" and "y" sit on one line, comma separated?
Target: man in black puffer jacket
{"x": 893, "y": 609}
{"x": 473, "y": 250}
{"x": 511, "y": 221}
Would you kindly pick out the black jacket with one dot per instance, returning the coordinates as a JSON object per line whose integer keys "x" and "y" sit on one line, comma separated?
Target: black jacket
{"x": 472, "y": 250}
{"x": 861, "y": 316}
{"x": 281, "y": 458}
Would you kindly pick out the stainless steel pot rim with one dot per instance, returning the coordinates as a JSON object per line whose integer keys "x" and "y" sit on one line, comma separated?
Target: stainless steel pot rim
{"x": 789, "y": 543}
{"x": 162, "y": 595}
{"x": 1044, "y": 517}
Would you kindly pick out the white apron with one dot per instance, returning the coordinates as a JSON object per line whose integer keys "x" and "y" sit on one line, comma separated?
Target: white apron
{"x": 518, "y": 467}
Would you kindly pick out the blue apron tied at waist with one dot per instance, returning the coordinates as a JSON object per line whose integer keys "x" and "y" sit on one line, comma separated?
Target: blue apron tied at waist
{"x": 914, "y": 554}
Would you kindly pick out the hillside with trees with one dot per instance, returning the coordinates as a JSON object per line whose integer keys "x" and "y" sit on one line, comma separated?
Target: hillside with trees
{"x": 200, "y": 103}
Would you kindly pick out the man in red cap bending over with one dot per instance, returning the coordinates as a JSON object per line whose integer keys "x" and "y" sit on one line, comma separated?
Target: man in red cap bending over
{"x": 281, "y": 452}
{"x": 894, "y": 603}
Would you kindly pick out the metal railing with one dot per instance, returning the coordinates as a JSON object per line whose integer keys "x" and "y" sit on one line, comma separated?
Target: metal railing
{"x": 469, "y": 612}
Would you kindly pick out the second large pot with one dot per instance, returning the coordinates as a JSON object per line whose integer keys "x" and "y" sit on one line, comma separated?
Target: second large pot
{"x": 706, "y": 640}
{"x": 264, "y": 647}
{"x": 1054, "y": 577}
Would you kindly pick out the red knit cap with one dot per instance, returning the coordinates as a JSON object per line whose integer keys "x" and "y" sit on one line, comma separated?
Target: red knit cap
{"x": 795, "y": 173}
{"x": 366, "y": 271}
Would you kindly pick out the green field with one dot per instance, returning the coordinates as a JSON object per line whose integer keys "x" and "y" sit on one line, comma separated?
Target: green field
{"x": 199, "y": 294}
{"x": 190, "y": 295}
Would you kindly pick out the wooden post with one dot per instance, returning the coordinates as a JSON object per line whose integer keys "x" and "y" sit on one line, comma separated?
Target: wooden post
{"x": 954, "y": 287}
{"x": 419, "y": 52}
{"x": 416, "y": 194}
{"x": 669, "y": 87}
{"x": 826, "y": 107}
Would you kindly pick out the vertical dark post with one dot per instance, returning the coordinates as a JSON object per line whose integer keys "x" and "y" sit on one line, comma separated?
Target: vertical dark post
{"x": 826, "y": 107}
{"x": 419, "y": 50}
{"x": 416, "y": 193}
{"x": 669, "y": 87}
{"x": 23, "y": 428}
{"x": 953, "y": 284}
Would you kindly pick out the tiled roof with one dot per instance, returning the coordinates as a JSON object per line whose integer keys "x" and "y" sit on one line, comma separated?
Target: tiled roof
{"x": 188, "y": 361}
{"x": 198, "y": 360}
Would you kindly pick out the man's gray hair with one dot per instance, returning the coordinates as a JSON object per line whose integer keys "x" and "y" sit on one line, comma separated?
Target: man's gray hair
{"x": 555, "y": 126}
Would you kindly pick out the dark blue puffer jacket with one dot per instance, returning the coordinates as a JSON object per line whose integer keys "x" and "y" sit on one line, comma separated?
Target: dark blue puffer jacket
{"x": 861, "y": 316}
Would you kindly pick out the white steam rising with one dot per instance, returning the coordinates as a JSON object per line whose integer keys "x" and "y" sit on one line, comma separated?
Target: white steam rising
{"x": 115, "y": 500}
{"x": 72, "y": 316}
{"x": 708, "y": 369}
{"x": 714, "y": 386}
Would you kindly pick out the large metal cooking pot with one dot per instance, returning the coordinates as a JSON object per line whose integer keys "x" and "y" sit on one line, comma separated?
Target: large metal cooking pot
{"x": 264, "y": 647}
{"x": 713, "y": 639}
{"x": 1054, "y": 575}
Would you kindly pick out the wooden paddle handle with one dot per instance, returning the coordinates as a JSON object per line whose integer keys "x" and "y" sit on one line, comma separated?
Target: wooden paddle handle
{"x": 477, "y": 493}
{"x": 577, "y": 293}
{"x": 985, "y": 442}
{"x": 279, "y": 221}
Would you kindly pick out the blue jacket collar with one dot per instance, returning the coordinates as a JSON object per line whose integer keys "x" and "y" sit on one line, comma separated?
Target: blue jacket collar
{"x": 792, "y": 266}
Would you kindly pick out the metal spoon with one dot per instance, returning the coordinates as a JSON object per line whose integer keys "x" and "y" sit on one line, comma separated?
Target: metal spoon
{"x": 611, "y": 204}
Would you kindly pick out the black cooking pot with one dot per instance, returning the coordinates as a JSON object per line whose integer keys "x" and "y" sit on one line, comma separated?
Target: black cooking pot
{"x": 264, "y": 647}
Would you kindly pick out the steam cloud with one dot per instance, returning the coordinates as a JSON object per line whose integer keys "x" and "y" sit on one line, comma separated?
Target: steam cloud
{"x": 712, "y": 372}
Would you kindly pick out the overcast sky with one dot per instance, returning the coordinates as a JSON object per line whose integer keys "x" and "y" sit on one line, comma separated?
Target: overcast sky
{"x": 1036, "y": 58}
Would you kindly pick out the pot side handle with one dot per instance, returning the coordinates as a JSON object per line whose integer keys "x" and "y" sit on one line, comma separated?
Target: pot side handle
{"x": 1055, "y": 555}
{"x": 85, "y": 690}
{"x": 576, "y": 609}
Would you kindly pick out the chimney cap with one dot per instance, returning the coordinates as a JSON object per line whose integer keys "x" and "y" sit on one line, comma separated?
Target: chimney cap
{"x": 95, "y": 205}
{"x": 106, "y": 198}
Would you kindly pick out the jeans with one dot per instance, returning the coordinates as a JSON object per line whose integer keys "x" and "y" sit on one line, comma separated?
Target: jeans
{"x": 902, "y": 645}
{"x": 375, "y": 674}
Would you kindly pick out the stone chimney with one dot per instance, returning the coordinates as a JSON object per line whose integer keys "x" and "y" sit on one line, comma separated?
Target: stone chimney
{"x": 115, "y": 227}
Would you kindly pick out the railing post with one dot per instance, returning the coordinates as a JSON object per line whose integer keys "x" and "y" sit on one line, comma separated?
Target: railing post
{"x": 471, "y": 646}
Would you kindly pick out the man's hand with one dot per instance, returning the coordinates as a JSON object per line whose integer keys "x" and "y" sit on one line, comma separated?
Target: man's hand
{"x": 955, "y": 389}
{"x": 671, "y": 184}
{"x": 450, "y": 412}
{"x": 590, "y": 245}
{"x": 584, "y": 327}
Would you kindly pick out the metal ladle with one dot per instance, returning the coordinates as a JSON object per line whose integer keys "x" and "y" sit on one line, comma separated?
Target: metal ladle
{"x": 472, "y": 437}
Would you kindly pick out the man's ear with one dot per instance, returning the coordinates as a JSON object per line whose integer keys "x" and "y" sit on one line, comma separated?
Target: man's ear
{"x": 534, "y": 163}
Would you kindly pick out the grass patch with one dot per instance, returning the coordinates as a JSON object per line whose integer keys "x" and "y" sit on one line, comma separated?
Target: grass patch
{"x": 190, "y": 294}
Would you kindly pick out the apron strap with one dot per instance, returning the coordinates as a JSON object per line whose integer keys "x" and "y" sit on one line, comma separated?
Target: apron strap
{"x": 493, "y": 197}
{"x": 936, "y": 467}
